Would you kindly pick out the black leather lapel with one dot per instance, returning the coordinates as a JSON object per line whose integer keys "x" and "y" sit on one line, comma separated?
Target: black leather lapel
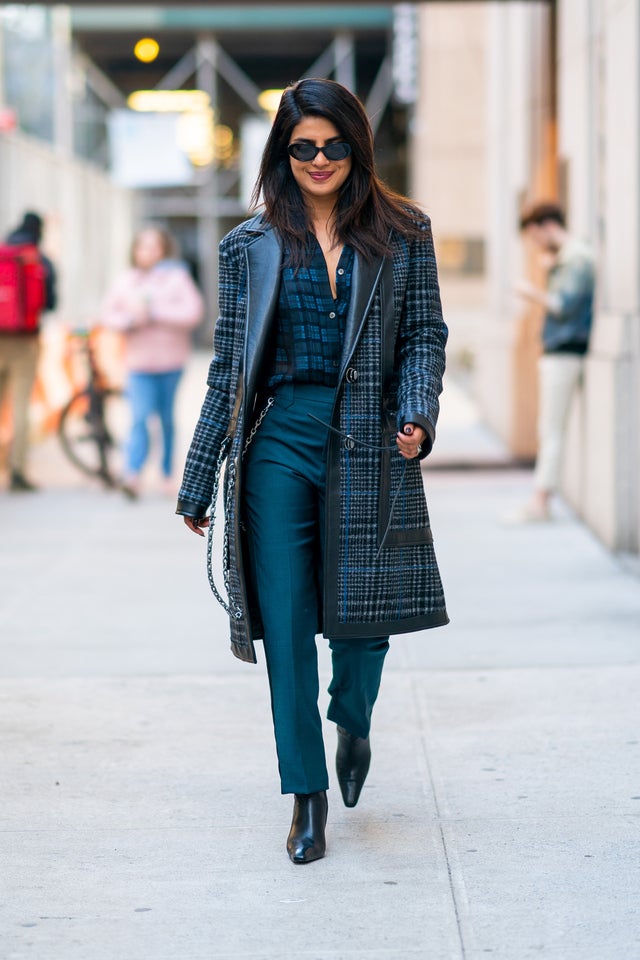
{"x": 388, "y": 326}
{"x": 264, "y": 256}
{"x": 365, "y": 279}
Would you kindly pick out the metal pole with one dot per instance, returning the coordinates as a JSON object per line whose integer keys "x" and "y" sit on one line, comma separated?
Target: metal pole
{"x": 344, "y": 60}
{"x": 208, "y": 226}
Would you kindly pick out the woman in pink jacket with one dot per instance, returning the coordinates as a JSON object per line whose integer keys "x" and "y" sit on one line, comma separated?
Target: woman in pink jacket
{"x": 155, "y": 305}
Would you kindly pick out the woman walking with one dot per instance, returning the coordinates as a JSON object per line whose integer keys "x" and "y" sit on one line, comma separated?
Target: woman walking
{"x": 156, "y": 305}
{"x": 329, "y": 355}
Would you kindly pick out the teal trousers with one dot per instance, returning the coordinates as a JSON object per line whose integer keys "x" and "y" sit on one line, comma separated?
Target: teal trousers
{"x": 284, "y": 499}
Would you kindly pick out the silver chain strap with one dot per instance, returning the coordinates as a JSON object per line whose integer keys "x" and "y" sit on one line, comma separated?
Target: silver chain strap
{"x": 254, "y": 429}
{"x": 233, "y": 608}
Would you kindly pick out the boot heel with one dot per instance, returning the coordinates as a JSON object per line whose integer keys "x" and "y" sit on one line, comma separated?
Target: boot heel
{"x": 353, "y": 759}
{"x": 306, "y": 841}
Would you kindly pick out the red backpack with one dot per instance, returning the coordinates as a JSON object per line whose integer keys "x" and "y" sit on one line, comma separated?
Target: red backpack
{"x": 22, "y": 288}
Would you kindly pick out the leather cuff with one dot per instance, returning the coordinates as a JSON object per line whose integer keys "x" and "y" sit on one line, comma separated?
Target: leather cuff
{"x": 190, "y": 508}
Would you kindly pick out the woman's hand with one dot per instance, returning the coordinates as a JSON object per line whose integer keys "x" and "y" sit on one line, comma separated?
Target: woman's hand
{"x": 410, "y": 440}
{"x": 197, "y": 526}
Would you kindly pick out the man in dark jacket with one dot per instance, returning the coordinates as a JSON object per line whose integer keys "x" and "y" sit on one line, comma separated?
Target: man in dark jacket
{"x": 568, "y": 304}
{"x": 19, "y": 357}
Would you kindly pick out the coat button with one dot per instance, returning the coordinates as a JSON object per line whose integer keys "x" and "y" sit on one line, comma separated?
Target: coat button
{"x": 351, "y": 375}
{"x": 349, "y": 443}
{"x": 332, "y": 315}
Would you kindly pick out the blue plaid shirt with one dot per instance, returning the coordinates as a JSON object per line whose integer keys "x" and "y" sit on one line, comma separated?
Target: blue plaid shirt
{"x": 310, "y": 323}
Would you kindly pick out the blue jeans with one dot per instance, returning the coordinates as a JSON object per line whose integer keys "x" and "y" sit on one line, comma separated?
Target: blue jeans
{"x": 149, "y": 394}
{"x": 284, "y": 490}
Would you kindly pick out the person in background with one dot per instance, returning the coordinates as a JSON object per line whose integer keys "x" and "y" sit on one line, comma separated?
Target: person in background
{"x": 156, "y": 305}
{"x": 329, "y": 356}
{"x": 568, "y": 303}
{"x": 19, "y": 340}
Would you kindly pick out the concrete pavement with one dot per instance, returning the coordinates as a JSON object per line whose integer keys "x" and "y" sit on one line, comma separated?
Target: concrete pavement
{"x": 140, "y": 815}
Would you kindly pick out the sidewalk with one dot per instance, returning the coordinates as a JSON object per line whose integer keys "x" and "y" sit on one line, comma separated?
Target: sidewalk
{"x": 140, "y": 815}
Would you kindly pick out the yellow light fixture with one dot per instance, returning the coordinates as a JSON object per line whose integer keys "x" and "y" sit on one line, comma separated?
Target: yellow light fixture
{"x": 223, "y": 142}
{"x": 147, "y": 49}
{"x": 168, "y": 101}
{"x": 196, "y": 136}
{"x": 269, "y": 100}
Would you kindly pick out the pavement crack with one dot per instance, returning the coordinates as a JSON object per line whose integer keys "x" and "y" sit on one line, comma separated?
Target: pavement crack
{"x": 456, "y": 883}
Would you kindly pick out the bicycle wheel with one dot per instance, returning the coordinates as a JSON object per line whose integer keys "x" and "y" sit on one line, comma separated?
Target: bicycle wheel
{"x": 92, "y": 428}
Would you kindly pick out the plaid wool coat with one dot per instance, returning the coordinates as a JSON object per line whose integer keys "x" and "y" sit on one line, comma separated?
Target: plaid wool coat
{"x": 381, "y": 575}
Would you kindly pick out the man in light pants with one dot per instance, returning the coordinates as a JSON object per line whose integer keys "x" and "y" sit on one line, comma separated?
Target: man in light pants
{"x": 568, "y": 301}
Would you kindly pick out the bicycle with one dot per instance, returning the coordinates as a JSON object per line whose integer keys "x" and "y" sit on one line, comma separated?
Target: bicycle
{"x": 94, "y": 420}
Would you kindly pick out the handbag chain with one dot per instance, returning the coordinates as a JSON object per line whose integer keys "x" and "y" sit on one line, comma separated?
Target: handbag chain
{"x": 254, "y": 429}
{"x": 233, "y": 608}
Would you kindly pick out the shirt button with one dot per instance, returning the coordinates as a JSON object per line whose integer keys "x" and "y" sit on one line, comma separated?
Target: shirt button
{"x": 340, "y": 272}
{"x": 332, "y": 315}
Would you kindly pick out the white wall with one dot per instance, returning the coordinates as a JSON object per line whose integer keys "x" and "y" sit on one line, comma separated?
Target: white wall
{"x": 448, "y": 154}
{"x": 88, "y": 219}
{"x": 517, "y": 109}
{"x": 506, "y": 174}
{"x": 88, "y": 230}
{"x": 598, "y": 79}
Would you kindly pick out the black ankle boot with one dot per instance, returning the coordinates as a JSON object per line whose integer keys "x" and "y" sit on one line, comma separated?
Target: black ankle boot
{"x": 306, "y": 840}
{"x": 353, "y": 759}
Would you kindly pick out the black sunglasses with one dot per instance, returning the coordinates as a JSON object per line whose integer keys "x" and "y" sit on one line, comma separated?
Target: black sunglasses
{"x": 339, "y": 150}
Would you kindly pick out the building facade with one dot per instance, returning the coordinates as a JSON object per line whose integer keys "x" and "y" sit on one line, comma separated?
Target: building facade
{"x": 549, "y": 108}
{"x": 88, "y": 218}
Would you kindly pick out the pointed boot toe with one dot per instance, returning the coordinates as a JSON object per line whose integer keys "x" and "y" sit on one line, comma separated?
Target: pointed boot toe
{"x": 353, "y": 759}
{"x": 306, "y": 841}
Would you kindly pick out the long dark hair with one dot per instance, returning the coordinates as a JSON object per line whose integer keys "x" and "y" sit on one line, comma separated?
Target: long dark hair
{"x": 366, "y": 209}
